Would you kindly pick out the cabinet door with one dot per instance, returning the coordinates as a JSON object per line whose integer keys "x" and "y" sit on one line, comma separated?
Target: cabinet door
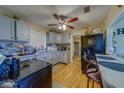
{"x": 54, "y": 55}
{"x": 6, "y": 28}
{"x": 51, "y": 37}
{"x": 42, "y": 79}
{"x": 22, "y": 31}
{"x": 41, "y": 57}
{"x": 26, "y": 83}
{"x": 66, "y": 57}
{"x": 58, "y": 38}
{"x": 66, "y": 37}
{"x": 60, "y": 56}
{"x": 49, "y": 57}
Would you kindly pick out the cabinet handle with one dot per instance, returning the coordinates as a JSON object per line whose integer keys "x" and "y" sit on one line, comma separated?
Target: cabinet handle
{"x": 11, "y": 37}
{"x": 11, "y": 30}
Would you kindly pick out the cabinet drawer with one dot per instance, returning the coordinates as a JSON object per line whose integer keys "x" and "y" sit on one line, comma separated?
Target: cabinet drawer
{"x": 23, "y": 58}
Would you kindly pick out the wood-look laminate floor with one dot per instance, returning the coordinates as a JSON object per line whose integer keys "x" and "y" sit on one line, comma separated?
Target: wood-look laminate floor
{"x": 70, "y": 76}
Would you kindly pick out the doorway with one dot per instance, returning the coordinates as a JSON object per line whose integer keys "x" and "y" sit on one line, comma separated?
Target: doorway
{"x": 76, "y": 49}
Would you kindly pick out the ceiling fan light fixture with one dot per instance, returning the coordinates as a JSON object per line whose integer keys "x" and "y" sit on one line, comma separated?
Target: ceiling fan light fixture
{"x": 60, "y": 27}
{"x": 64, "y": 27}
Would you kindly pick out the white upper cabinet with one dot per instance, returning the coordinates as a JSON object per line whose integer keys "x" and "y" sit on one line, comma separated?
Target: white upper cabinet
{"x": 66, "y": 37}
{"x": 22, "y": 31}
{"x": 58, "y": 38}
{"x": 51, "y": 37}
{"x": 6, "y": 28}
{"x": 9, "y": 30}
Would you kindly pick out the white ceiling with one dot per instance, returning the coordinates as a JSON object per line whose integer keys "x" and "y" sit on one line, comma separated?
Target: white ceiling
{"x": 43, "y": 14}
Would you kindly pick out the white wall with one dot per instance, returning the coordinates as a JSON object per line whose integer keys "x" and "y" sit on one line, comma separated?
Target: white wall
{"x": 119, "y": 39}
{"x": 73, "y": 33}
{"x": 37, "y": 39}
{"x": 113, "y": 25}
{"x": 109, "y": 45}
{"x": 112, "y": 14}
{"x": 37, "y": 35}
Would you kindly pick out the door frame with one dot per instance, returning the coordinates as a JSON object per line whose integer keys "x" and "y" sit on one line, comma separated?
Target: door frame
{"x": 72, "y": 45}
{"x": 76, "y": 44}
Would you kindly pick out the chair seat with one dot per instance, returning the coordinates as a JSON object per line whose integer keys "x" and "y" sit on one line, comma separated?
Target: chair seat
{"x": 95, "y": 76}
{"x": 91, "y": 70}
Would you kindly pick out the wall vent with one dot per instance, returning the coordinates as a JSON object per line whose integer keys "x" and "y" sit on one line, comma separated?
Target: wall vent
{"x": 87, "y": 9}
{"x": 119, "y": 6}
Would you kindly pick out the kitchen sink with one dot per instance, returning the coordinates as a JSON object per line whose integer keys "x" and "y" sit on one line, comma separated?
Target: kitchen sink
{"x": 113, "y": 65}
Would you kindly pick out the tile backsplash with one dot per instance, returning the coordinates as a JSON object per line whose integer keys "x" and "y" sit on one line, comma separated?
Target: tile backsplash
{"x": 15, "y": 48}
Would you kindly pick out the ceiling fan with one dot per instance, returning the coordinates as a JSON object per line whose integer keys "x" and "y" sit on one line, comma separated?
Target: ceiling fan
{"x": 63, "y": 21}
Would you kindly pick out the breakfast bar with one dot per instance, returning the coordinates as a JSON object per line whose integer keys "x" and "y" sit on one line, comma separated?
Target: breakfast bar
{"x": 112, "y": 71}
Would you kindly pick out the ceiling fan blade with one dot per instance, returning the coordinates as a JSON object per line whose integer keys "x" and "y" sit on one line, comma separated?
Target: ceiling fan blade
{"x": 58, "y": 18}
{"x": 70, "y": 27}
{"x": 52, "y": 24}
{"x": 73, "y": 20}
{"x": 63, "y": 17}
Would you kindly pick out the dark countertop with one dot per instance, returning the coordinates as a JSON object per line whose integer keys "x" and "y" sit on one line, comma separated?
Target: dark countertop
{"x": 105, "y": 57}
{"x": 35, "y": 65}
{"x": 113, "y": 66}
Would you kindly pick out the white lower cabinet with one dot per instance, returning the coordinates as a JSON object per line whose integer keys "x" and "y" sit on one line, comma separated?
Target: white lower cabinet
{"x": 41, "y": 56}
{"x": 66, "y": 56}
{"x": 54, "y": 57}
{"x": 26, "y": 57}
{"x": 60, "y": 56}
{"x": 46, "y": 56}
{"x": 49, "y": 57}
